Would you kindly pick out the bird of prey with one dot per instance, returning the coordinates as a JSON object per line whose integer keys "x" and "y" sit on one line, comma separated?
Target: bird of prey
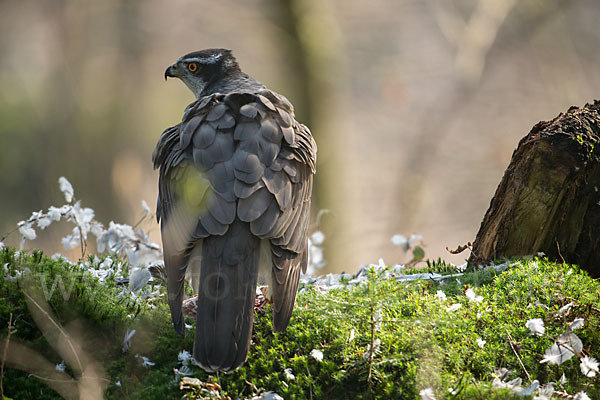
{"x": 235, "y": 185}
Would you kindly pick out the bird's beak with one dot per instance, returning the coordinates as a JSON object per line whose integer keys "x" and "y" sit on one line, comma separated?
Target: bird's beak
{"x": 171, "y": 72}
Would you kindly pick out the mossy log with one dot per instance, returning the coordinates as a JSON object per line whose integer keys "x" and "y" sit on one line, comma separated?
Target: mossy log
{"x": 549, "y": 198}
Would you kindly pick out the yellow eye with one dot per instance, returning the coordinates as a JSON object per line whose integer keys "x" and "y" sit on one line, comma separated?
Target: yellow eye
{"x": 192, "y": 67}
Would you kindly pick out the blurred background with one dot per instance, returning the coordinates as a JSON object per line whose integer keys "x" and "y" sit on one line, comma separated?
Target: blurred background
{"x": 416, "y": 105}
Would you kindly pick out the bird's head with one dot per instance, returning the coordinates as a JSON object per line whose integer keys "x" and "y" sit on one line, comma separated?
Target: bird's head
{"x": 203, "y": 69}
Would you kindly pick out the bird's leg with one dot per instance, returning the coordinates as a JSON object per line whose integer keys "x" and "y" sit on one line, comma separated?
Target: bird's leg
{"x": 262, "y": 299}
{"x": 190, "y": 307}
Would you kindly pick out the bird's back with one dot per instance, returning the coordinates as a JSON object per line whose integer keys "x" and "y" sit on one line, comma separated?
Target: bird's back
{"x": 235, "y": 181}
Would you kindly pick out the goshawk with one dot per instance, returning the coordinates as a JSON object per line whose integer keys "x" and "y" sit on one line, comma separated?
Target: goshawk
{"x": 234, "y": 201}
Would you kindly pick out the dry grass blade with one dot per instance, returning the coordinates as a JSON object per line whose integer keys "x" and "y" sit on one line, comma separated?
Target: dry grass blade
{"x": 21, "y": 357}
{"x": 510, "y": 341}
{"x": 10, "y": 331}
{"x": 49, "y": 327}
{"x": 91, "y": 382}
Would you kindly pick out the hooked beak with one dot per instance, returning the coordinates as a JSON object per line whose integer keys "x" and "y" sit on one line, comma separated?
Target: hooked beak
{"x": 171, "y": 72}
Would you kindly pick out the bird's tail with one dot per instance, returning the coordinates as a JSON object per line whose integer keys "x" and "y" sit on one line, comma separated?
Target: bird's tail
{"x": 226, "y": 295}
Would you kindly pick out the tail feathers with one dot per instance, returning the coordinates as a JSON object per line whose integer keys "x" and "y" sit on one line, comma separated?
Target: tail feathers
{"x": 228, "y": 278}
{"x": 286, "y": 274}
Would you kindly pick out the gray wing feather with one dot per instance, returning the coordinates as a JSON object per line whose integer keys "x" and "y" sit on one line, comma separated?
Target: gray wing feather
{"x": 204, "y": 137}
{"x": 188, "y": 131}
{"x": 221, "y": 209}
{"x": 280, "y": 185}
{"x": 252, "y": 207}
{"x": 242, "y": 189}
{"x": 286, "y": 271}
{"x": 174, "y": 227}
{"x": 247, "y": 167}
{"x": 265, "y": 223}
{"x": 211, "y": 225}
{"x": 222, "y": 178}
{"x": 216, "y": 112}
{"x": 270, "y": 131}
{"x": 250, "y": 110}
{"x": 245, "y": 130}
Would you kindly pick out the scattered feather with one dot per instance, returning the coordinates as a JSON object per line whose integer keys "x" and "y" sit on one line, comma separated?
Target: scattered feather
{"x": 146, "y": 209}
{"x": 454, "y": 307}
{"x": 572, "y": 340}
{"x": 316, "y": 260}
{"x": 481, "y": 342}
{"x": 145, "y": 361}
{"x": 470, "y": 293}
{"x": 27, "y": 231}
{"x": 44, "y": 222}
{"x": 562, "y": 380}
{"x": 317, "y": 238}
{"x": 565, "y": 308}
{"x": 462, "y": 267}
{"x": 267, "y": 396}
{"x": 400, "y": 240}
{"x": 316, "y": 354}
{"x": 138, "y": 278}
{"x": 67, "y": 189}
{"x": 529, "y": 390}
{"x": 545, "y": 392}
{"x": 502, "y": 373}
{"x": 184, "y": 357}
{"x": 539, "y": 304}
{"x": 289, "y": 375}
{"x": 403, "y": 242}
{"x": 54, "y": 213}
{"x": 377, "y": 318}
{"x": 61, "y": 367}
{"x": 427, "y": 394}
{"x": 441, "y": 295}
{"x": 376, "y": 346}
{"x": 499, "y": 382}
{"x": 127, "y": 339}
{"x": 581, "y": 396}
{"x": 73, "y": 240}
{"x": 576, "y": 324}
{"x": 106, "y": 264}
{"x": 536, "y": 326}
{"x": 184, "y": 370}
{"x": 589, "y": 366}
{"x": 562, "y": 350}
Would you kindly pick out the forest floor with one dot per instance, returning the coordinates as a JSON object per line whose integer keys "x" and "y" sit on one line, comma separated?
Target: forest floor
{"x": 523, "y": 328}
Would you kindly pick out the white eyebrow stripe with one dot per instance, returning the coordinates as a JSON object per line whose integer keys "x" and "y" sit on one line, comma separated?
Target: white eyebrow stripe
{"x": 205, "y": 60}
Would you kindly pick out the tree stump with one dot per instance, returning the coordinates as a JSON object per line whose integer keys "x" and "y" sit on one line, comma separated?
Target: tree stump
{"x": 549, "y": 197}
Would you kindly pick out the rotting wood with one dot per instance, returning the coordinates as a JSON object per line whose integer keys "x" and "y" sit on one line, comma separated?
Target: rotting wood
{"x": 549, "y": 197}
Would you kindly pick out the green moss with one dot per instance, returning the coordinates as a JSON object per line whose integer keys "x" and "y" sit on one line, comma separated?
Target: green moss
{"x": 423, "y": 345}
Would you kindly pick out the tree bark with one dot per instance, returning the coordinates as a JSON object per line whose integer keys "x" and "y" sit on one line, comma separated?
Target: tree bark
{"x": 549, "y": 198}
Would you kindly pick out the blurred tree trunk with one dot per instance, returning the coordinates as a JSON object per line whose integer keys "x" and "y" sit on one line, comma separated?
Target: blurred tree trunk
{"x": 312, "y": 45}
{"x": 549, "y": 198}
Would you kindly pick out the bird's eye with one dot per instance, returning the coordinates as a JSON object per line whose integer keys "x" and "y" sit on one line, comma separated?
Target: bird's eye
{"x": 192, "y": 67}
